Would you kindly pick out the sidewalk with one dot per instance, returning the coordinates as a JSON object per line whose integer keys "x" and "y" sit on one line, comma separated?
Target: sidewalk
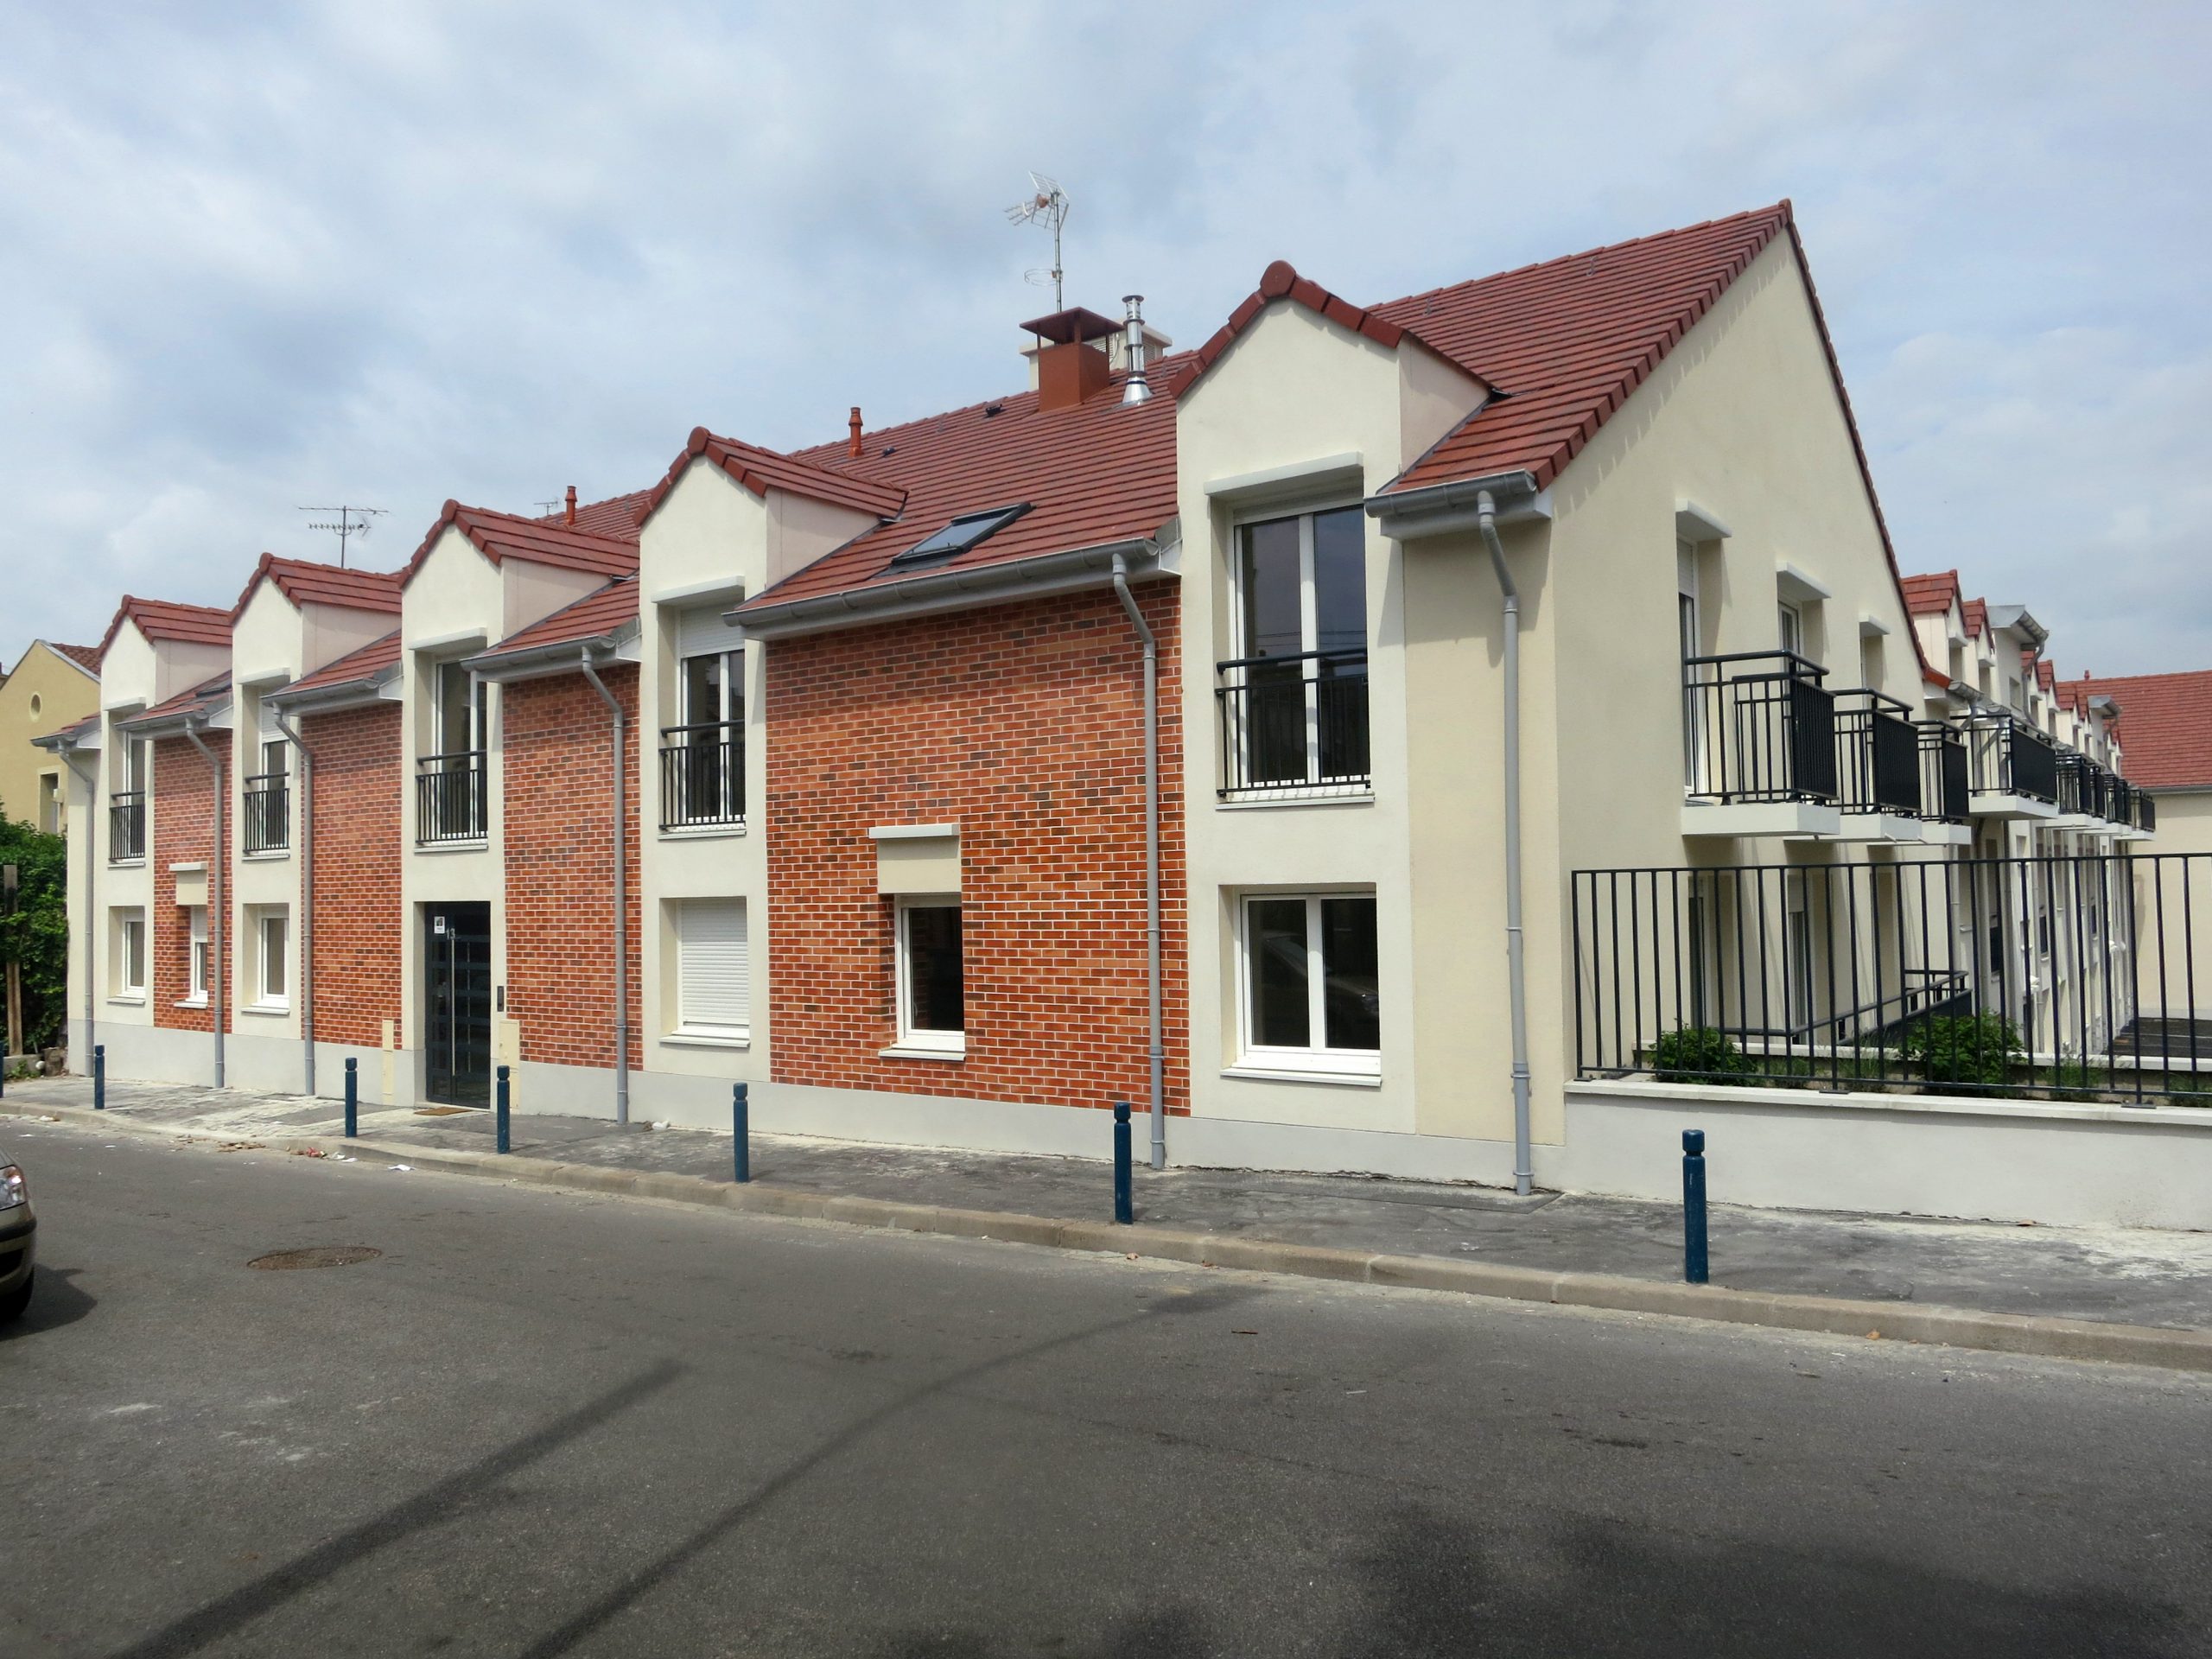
{"x": 2134, "y": 1277}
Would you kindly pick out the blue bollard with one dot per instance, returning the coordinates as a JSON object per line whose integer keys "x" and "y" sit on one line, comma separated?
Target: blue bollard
{"x": 100, "y": 1077}
{"x": 1694, "y": 1258}
{"x": 1124, "y": 1201}
{"x": 741, "y": 1129}
{"x": 352, "y": 1097}
{"x": 501, "y": 1109}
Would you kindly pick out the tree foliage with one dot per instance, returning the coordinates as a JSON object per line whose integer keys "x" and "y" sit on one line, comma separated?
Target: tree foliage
{"x": 37, "y": 931}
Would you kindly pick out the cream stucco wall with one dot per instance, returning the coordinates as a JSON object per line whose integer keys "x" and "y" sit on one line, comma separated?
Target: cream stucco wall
{"x": 44, "y": 692}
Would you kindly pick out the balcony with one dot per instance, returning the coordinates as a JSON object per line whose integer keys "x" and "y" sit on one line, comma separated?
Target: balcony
{"x": 2013, "y": 768}
{"x": 1293, "y": 728}
{"x": 2129, "y": 813}
{"x": 701, "y": 775}
{"x": 1943, "y": 784}
{"x": 268, "y": 813}
{"x": 1759, "y": 748}
{"x": 449, "y": 797}
{"x": 1877, "y": 768}
{"x": 126, "y": 825}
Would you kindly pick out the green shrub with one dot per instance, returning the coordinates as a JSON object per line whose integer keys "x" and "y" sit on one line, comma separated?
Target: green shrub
{"x": 1976, "y": 1048}
{"x": 1696, "y": 1054}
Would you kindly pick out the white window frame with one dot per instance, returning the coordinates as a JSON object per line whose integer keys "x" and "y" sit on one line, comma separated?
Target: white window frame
{"x": 685, "y": 1030}
{"x": 266, "y": 1000}
{"x": 1309, "y": 634}
{"x": 914, "y": 1039}
{"x": 197, "y": 961}
{"x": 1318, "y": 1060}
{"x": 1790, "y": 626}
{"x": 130, "y": 949}
{"x": 733, "y": 661}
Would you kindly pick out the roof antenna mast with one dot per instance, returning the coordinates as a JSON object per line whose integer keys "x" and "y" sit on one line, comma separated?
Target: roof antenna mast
{"x": 349, "y": 523}
{"x": 1046, "y": 204}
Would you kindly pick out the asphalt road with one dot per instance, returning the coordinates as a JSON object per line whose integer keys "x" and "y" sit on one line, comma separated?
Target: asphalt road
{"x": 542, "y": 1424}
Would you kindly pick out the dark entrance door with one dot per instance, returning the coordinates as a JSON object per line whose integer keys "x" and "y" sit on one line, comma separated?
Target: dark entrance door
{"x": 457, "y": 986}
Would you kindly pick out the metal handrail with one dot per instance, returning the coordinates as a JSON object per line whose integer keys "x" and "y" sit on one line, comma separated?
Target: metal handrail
{"x": 702, "y": 773}
{"x": 1877, "y": 753}
{"x": 1943, "y": 784}
{"x": 126, "y": 824}
{"x": 1293, "y": 723}
{"x": 268, "y": 812}
{"x": 1757, "y": 736}
{"x": 449, "y": 796}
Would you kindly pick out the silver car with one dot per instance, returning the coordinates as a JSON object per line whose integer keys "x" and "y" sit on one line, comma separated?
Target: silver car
{"x": 18, "y": 1242}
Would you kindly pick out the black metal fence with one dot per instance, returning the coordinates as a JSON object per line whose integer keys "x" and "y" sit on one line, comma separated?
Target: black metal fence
{"x": 1878, "y": 755}
{"x": 126, "y": 824}
{"x": 1295, "y": 723}
{"x": 2073, "y": 978}
{"x": 449, "y": 796}
{"x": 702, "y": 774}
{"x": 268, "y": 813}
{"x": 1758, "y": 725}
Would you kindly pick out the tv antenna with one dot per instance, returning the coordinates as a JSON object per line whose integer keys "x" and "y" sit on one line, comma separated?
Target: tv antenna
{"x": 1046, "y": 204}
{"x": 349, "y": 523}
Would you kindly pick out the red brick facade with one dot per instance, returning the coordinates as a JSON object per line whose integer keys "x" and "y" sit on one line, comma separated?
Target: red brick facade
{"x": 183, "y": 807}
{"x": 358, "y": 919}
{"x": 559, "y": 865}
{"x": 1024, "y": 723}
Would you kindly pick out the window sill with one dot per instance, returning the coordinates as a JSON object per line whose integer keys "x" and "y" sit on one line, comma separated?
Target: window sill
{"x": 128, "y": 1000}
{"x": 277, "y": 1009}
{"x": 1318, "y": 795}
{"x": 911, "y": 1050}
{"x": 1262, "y": 1072}
{"x": 702, "y": 832}
{"x": 267, "y": 856}
{"x": 126, "y": 863}
{"x": 480, "y": 845}
{"x": 191, "y": 1002}
{"x": 707, "y": 1040}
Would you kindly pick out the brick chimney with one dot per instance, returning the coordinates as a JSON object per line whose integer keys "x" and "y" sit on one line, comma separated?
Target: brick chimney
{"x": 1069, "y": 367}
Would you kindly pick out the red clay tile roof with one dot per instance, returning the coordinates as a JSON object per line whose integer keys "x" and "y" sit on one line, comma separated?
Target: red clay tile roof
{"x": 1930, "y": 596}
{"x": 76, "y": 731}
{"x": 1976, "y": 612}
{"x": 1096, "y": 473}
{"x": 618, "y": 516}
{"x": 1565, "y": 342}
{"x": 2165, "y": 725}
{"x": 203, "y": 698}
{"x": 306, "y": 583}
{"x": 760, "y": 470}
{"x": 500, "y": 535}
{"x": 162, "y": 618}
{"x": 605, "y": 611}
{"x": 86, "y": 657}
{"x": 2046, "y": 674}
{"x": 369, "y": 663}
{"x": 1280, "y": 281}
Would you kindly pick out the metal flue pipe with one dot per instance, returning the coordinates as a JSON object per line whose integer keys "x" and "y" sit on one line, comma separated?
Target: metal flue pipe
{"x": 1158, "y": 1046}
{"x": 1486, "y": 520}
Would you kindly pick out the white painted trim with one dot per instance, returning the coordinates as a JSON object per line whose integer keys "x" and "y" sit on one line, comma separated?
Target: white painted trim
{"x": 700, "y": 593}
{"x": 1693, "y": 524}
{"x": 913, "y": 1051}
{"x": 680, "y": 1038}
{"x": 913, "y": 832}
{"x": 1795, "y": 584}
{"x": 1346, "y": 471}
{"x": 1306, "y": 1074}
{"x": 1872, "y": 627}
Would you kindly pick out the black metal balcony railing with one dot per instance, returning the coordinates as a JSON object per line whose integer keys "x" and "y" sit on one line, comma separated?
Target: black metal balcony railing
{"x": 2008, "y": 758}
{"x": 126, "y": 824}
{"x": 1293, "y": 723}
{"x": 2146, "y": 812}
{"x": 2083, "y": 787}
{"x": 2122, "y": 801}
{"x": 1758, "y": 725}
{"x": 1943, "y": 788}
{"x": 449, "y": 796}
{"x": 702, "y": 774}
{"x": 1878, "y": 755}
{"x": 268, "y": 825}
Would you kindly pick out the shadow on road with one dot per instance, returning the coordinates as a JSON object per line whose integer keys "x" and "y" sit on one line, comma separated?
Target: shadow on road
{"x": 226, "y": 1615}
{"x": 55, "y": 1301}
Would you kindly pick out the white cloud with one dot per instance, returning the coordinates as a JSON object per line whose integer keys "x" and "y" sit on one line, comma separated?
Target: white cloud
{"x": 264, "y": 254}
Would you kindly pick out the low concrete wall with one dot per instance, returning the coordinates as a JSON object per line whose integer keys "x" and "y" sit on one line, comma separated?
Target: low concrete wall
{"x": 1892, "y": 1154}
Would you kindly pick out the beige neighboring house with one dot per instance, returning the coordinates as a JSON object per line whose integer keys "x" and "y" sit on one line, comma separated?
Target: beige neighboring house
{"x": 50, "y": 686}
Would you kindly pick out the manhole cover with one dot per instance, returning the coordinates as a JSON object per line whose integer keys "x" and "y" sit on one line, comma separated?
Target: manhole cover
{"x": 317, "y": 1255}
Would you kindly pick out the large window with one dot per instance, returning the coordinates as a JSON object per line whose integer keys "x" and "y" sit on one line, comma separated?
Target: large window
{"x": 449, "y": 783}
{"x": 126, "y": 807}
{"x": 268, "y": 795}
{"x": 933, "y": 992}
{"x": 1293, "y": 698}
{"x": 130, "y": 969}
{"x": 196, "y": 964}
{"x": 702, "y": 756}
{"x": 1311, "y": 997}
{"x": 713, "y": 972}
{"x": 272, "y": 940}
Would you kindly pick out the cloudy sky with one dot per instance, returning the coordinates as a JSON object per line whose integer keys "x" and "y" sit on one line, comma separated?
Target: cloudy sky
{"x": 258, "y": 256}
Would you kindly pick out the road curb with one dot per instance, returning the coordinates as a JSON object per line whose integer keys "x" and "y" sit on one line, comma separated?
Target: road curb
{"x": 2169, "y": 1348}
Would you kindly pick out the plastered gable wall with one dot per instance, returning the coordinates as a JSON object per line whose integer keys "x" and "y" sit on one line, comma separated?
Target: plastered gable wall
{"x": 63, "y": 694}
{"x": 1295, "y": 389}
{"x": 710, "y": 533}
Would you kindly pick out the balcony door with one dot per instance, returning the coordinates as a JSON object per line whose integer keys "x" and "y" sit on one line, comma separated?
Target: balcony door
{"x": 1295, "y": 696}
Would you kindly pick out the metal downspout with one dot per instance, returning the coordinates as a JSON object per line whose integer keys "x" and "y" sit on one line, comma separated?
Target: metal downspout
{"x": 1159, "y": 1053}
{"x": 1523, "y": 1176}
{"x": 621, "y": 897}
{"x": 307, "y": 901}
{"x": 218, "y": 895}
{"x": 92, "y": 911}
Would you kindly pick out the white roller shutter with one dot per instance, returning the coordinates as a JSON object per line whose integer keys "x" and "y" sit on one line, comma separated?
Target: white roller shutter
{"x": 714, "y": 971}
{"x": 701, "y": 632}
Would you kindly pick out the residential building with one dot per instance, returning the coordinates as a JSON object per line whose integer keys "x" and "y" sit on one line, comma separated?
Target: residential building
{"x": 49, "y": 687}
{"x": 1295, "y": 737}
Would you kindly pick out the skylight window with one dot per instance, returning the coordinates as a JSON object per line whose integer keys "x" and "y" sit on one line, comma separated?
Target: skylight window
{"x": 957, "y": 537}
